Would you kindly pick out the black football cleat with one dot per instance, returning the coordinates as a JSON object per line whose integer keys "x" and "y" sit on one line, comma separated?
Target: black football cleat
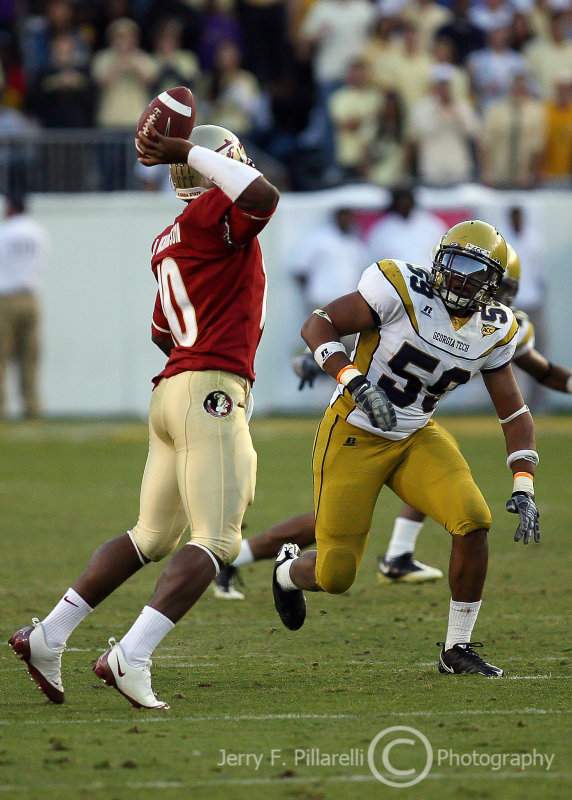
{"x": 224, "y": 584}
{"x": 462, "y": 658}
{"x": 290, "y": 605}
{"x": 405, "y": 569}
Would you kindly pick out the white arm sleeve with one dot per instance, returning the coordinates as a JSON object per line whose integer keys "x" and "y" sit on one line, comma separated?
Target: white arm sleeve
{"x": 232, "y": 176}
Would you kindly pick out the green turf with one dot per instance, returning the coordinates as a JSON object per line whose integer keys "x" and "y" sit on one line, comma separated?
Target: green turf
{"x": 238, "y": 681}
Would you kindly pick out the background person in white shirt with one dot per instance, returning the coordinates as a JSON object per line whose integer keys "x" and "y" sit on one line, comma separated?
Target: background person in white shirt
{"x": 405, "y": 231}
{"x": 23, "y": 251}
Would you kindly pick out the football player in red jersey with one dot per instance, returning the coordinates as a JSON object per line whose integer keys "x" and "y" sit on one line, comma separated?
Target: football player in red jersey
{"x": 201, "y": 468}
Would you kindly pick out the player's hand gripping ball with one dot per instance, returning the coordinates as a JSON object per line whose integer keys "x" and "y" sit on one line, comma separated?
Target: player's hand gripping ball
{"x": 172, "y": 114}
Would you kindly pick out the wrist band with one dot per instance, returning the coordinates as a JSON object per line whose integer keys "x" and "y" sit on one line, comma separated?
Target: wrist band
{"x": 347, "y": 374}
{"x": 527, "y": 455}
{"x": 232, "y": 176}
{"x": 569, "y": 384}
{"x": 523, "y": 482}
{"x": 516, "y": 414}
{"x": 327, "y": 349}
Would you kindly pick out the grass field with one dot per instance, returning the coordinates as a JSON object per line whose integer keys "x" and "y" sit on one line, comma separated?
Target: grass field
{"x": 241, "y": 683}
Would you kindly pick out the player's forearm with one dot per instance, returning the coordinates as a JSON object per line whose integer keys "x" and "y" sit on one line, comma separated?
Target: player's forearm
{"x": 164, "y": 343}
{"x": 557, "y": 378}
{"x": 322, "y": 337}
{"x": 519, "y": 438}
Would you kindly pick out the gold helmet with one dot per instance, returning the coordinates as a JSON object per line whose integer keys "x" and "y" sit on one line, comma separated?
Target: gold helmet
{"x": 468, "y": 265}
{"x": 510, "y": 282}
{"x": 187, "y": 182}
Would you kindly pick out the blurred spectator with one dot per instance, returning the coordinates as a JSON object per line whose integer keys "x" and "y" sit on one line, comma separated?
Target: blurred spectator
{"x": 125, "y": 75}
{"x": 354, "y": 109}
{"x": 413, "y": 69}
{"x": 550, "y": 57}
{"x": 444, "y": 53}
{"x": 385, "y": 160}
{"x": 427, "y": 17}
{"x": 218, "y": 24}
{"x": 17, "y": 151}
{"x": 329, "y": 262}
{"x": 521, "y": 32}
{"x": 175, "y": 66}
{"x": 463, "y": 34}
{"x": 488, "y": 15}
{"x": 13, "y": 79}
{"x": 557, "y": 160}
{"x": 332, "y": 34}
{"x": 23, "y": 251}
{"x": 381, "y": 51}
{"x": 405, "y": 232}
{"x": 264, "y": 25}
{"x": 441, "y": 132}
{"x": 39, "y": 30}
{"x": 513, "y": 139}
{"x": 492, "y": 69}
{"x": 62, "y": 96}
{"x": 233, "y": 96}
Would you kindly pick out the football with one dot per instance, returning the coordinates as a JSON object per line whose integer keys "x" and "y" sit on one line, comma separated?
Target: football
{"x": 172, "y": 113}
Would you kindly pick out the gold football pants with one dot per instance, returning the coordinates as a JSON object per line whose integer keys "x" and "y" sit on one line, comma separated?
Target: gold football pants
{"x": 201, "y": 467}
{"x": 426, "y": 470}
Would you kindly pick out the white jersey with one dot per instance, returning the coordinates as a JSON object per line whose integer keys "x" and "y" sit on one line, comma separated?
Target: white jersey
{"x": 525, "y": 333}
{"x": 418, "y": 351}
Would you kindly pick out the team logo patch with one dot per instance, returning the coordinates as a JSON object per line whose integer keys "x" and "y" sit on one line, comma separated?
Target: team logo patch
{"x": 486, "y": 330}
{"x": 218, "y": 404}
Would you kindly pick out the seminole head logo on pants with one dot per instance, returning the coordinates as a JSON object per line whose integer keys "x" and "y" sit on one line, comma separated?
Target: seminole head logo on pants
{"x": 218, "y": 404}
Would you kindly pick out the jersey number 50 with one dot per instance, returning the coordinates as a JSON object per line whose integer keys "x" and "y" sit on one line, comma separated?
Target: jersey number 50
{"x": 176, "y": 305}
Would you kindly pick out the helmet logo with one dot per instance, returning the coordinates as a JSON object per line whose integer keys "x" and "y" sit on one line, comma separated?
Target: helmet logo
{"x": 486, "y": 330}
{"x": 480, "y": 250}
{"x": 218, "y": 404}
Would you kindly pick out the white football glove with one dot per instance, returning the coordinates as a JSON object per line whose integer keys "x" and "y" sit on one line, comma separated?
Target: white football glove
{"x": 523, "y": 504}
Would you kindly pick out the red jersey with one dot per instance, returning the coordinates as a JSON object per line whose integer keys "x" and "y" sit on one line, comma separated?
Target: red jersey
{"x": 212, "y": 286}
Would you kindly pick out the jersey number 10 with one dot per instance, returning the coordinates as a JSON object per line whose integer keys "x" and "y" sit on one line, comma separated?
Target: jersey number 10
{"x": 176, "y": 305}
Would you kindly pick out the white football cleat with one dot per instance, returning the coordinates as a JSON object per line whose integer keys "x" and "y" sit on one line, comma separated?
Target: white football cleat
{"x": 44, "y": 663}
{"x": 134, "y": 683}
{"x": 405, "y": 569}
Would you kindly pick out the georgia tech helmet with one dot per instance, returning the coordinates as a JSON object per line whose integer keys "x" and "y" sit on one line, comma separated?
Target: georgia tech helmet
{"x": 511, "y": 279}
{"x": 468, "y": 265}
{"x": 187, "y": 182}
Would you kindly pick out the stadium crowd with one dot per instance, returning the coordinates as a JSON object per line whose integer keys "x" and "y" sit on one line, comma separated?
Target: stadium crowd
{"x": 328, "y": 91}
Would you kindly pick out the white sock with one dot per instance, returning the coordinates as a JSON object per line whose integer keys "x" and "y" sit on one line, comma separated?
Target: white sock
{"x": 283, "y": 576}
{"x": 403, "y": 537}
{"x": 462, "y": 618}
{"x": 64, "y": 618}
{"x": 245, "y": 556}
{"x": 142, "y": 638}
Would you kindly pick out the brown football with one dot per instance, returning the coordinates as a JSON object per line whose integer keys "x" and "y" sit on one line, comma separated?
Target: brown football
{"x": 172, "y": 113}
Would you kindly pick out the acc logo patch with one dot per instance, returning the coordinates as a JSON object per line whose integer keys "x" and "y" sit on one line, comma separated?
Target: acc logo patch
{"x": 486, "y": 330}
{"x": 218, "y": 404}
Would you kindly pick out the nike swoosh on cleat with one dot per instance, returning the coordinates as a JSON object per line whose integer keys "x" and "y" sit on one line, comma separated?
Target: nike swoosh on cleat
{"x": 70, "y": 602}
{"x": 121, "y": 674}
{"x": 445, "y": 666}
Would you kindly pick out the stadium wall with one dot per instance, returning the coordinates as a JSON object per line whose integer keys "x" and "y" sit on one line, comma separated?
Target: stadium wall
{"x": 98, "y": 293}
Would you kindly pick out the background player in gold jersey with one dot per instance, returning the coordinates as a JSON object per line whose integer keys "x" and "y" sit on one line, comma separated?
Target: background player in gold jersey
{"x": 420, "y": 334}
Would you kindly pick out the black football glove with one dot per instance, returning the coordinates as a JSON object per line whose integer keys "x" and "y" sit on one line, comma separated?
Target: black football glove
{"x": 523, "y": 504}
{"x": 374, "y": 402}
{"x": 306, "y": 369}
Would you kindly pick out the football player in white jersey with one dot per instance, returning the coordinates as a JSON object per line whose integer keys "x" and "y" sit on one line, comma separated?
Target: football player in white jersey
{"x": 420, "y": 333}
{"x": 397, "y": 565}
